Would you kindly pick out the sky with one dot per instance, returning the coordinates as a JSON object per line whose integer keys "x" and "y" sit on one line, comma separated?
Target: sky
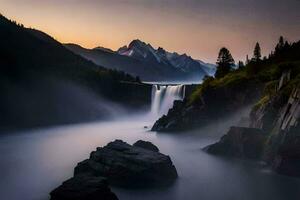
{"x": 196, "y": 27}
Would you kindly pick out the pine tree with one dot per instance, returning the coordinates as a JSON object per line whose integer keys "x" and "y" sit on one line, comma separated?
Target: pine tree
{"x": 240, "y": 64}
{"x": 280, "y": 44}
{"x": 247, "y": 60}
{"x": 257, "y": 53}
{"x": 225, "y": 62}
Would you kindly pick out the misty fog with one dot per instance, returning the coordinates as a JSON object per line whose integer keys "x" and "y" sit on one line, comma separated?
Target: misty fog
{"x": 51, "y": 154}
{"x": 44, "y": 102}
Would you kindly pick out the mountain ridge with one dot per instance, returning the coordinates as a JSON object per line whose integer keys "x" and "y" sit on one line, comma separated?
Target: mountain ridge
{"x": 184, "y": 62}
{"x": 141, "y": 59}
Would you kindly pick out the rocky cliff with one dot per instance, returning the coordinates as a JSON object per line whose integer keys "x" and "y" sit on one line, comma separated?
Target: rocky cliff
{"x": 274, "y": 132}
{"x": 280, "y": 117}
{"x": 215, "y": 102}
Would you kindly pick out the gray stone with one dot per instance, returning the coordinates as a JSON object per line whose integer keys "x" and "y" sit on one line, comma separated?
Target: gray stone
{"x": 240, "y": 142}
{"x": 129, "y": 166}
{"x": 83, "y": 188}
{"x": 146, "y": 145}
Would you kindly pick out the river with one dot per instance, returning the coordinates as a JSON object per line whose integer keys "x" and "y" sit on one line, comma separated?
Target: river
{"x": 35, "y": 162}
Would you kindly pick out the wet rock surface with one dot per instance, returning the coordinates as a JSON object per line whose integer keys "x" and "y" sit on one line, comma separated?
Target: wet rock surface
{"x": 129, "y": 165}
{"x": 146, "y": 145}
{"x": 240, "y": 142}
{"x": 120, "y": 164}
{"x": 84, "y": 188}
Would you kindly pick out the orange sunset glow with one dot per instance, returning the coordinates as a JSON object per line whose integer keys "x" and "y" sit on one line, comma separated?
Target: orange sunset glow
{"x": 198, "y": 28}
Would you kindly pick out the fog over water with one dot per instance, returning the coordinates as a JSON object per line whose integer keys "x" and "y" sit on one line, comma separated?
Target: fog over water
{"x": 35, "y": 162}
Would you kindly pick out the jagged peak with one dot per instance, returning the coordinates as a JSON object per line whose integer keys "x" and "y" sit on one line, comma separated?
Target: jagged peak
{"x": 160, "y": 49}
{"x": 136, "y": 42}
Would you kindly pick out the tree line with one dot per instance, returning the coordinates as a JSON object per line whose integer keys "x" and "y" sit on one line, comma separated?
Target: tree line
{"x": 226, "y": 63}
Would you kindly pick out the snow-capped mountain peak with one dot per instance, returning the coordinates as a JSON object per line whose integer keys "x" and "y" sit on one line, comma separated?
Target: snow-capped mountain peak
{"x": 140, "y": 50}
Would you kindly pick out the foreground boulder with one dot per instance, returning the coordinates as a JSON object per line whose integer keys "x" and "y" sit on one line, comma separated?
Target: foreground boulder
{"x": 129, "y": 165}
{"x": 146, "y": 145}
{"x": 83, "y": 188}
{"x": 240, "y": 142}
{"x": 287, "y": 158}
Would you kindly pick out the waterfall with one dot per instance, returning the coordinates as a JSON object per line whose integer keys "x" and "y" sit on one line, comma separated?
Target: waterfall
{"x": 163, "y": 97}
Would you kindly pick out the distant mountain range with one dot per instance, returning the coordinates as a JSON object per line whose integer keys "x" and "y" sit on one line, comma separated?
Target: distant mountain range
{"x": 141, "y": 59}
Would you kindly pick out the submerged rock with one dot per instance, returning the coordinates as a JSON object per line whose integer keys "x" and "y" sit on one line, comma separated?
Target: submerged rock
{"x": 129, "y": 165}
{"x": 240, "y": 142}
{"x": 146, "y": 145}
{"x": 84, "y": 188}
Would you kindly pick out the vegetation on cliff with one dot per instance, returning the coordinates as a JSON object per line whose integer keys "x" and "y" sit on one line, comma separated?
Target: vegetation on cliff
{"x": 268, "y": 71}
{"x": 233, "y": 88}
{"x": 276, "y": 114}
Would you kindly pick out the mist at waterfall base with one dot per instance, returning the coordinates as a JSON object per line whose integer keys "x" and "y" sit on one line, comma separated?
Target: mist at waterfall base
{"x": 35, "y": 162}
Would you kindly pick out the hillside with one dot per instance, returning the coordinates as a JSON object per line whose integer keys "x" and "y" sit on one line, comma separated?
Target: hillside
{"x": 272, "y": 87}
{"x": 219, "y": 97}
{"x": 43, "y": 83}
{"x": 112, "y": 60}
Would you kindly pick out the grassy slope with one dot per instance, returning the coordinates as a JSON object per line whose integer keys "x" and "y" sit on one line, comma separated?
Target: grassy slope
{"x": 267, "y": 71}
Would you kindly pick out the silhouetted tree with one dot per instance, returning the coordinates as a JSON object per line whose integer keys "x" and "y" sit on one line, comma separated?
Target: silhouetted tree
{"x": 257, "y": 53}
{"x": 247, "y": 60}
{"x": 280, "y": 44}
{"x": 225, "y": 62}
{"x": 240, "y": 64}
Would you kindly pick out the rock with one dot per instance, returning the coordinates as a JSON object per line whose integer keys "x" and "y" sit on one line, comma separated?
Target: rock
{"x": 240, "y": 142}
{"x": 146, "y": 145}
{"x": 287, "y": 158}
{"x": 129, "y": 166}
{"x": 83, "y": 188}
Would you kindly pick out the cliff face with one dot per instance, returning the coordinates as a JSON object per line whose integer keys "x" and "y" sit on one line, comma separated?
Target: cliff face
{"x": 240, "y": 142}
{"x": 274, "y": 132}
{"x": 215, "y": 103}
{"x": 282, "y": 148}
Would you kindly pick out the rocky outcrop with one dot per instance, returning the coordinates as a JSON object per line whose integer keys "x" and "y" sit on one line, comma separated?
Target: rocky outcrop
{"x": 278, "y": 119}
{"x": 240, "y": 142}
{"x": 129, "y": 166}
{"x": 146, "y": 145}
{"x": 283, "y": 147}
{"x": 265, "y": 116}
{"x": 83, "y": 188}
{"x": 287, "y": 159}
{"x": 215, "y": 103}
{"x": 117, "y": 163}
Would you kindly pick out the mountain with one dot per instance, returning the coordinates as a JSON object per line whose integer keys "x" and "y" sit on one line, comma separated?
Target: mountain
{"x": 141, "y": 59}
{"x": 44, "y": 83}
{"x": 112, "y": 60}
{"x": 195, "y": 69}
{"x": 209, "y": 68}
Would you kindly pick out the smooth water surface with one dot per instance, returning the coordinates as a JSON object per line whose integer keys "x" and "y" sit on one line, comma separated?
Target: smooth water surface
{"x": 35, "y": 162}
